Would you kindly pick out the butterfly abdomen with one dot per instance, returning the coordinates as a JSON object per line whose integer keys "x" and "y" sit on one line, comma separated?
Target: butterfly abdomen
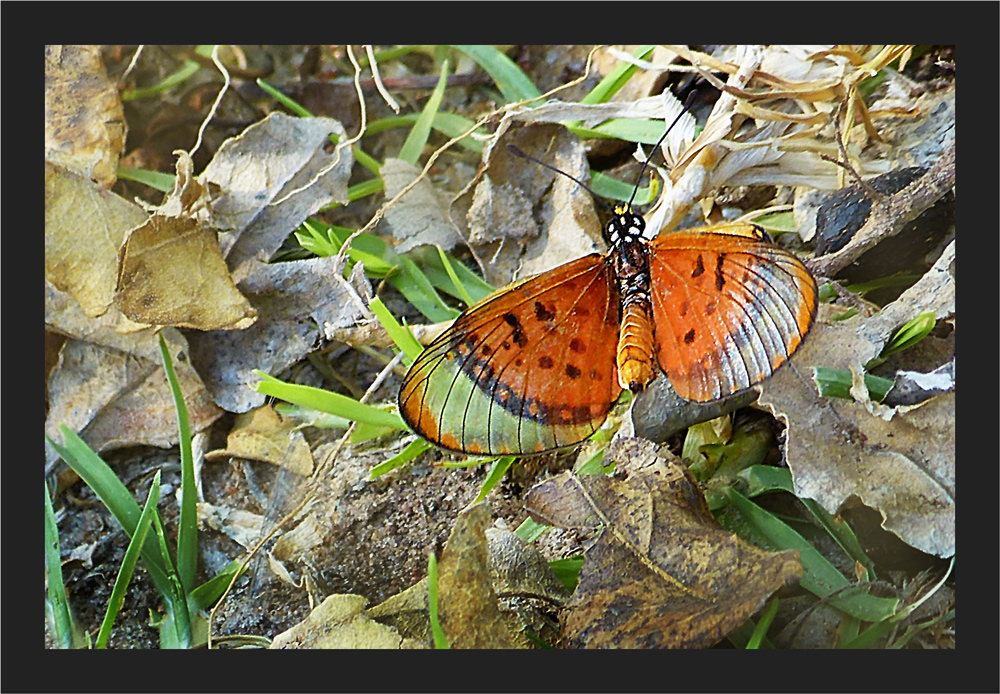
{"x": 635, "y": 345}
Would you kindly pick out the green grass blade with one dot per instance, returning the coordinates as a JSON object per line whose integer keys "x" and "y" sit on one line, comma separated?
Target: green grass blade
{"x": 613, "y": 189}
{"x": 843, "y": 535}
{"x": 187, "y": 532}
{"x": 820, "y": 577}
{"x": 496, "y": 473}
{"x": 412, "y": 450}
{"x": 413, "y": 147}
{"x": 162, "y": 182}
{"x": 448, "y": 124}
{"x": 836, "y": 383}
{"x": 64, "y": 628}
{"x": 205, "y": 595}
{"x": 128, "y": 563}
{"x": 530, "y": 530}
{"x": 616, "y": 79}
{"x": 647, "y": 132}
{"x": 509, "y": 78}
{"x": 418, "y": 290}
{"x": 178, "y": 76}
{"x": 113, "y": 494}
{"x": 453, "y": 276}
{"x": 287, "y": 102}
{"x": 399, "y": 334}
{"x": 470, "y": 287}
{"x": 440, "y": 640}
{"x": 326, "y": 401}
{"x": 568, "y": 570}
{"x": 760, "y": 631}
{"x": 175, "y": 628}
{"x": 910, "y": 334}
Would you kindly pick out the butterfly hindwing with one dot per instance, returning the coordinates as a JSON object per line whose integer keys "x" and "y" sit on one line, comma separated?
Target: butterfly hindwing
{"x": 529, "y": 369}
{"x": 728, "y": 308}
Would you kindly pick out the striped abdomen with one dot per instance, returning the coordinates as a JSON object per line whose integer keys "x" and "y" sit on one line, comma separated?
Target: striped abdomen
{"x": 635, "y": 345}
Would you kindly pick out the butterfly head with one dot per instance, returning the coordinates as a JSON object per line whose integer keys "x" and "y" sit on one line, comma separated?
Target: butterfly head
{"x": 624, "y": 225}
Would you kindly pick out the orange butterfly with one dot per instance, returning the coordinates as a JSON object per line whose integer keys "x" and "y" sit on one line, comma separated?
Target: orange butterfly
{"x": 539, "y": 364}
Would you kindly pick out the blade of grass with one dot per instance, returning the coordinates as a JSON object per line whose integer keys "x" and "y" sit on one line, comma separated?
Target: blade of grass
{"x": 910, "y": 334}
{"x": 613, "y": 189}
{"x": 413, "y": 449}
{"x": 568, "y": 570}
{"x": 162, "y": 182}
{"x": 469, "y": 284}
{"x": 530, "y": 530}
{"x": 509, "y": 78}
{"x": 836, "y": 383}
{"x": 205, "y": 595}
{"x": 647, "y": 132}
{"x": 820, "y": 577}
{"x": 440, "y": 640}
{"x": 616, "y": 79}
{"x": 448, "y": 124}
{"x": 402, "y": 272}
{"x": 178, "y": 76}
{"x": 464, "y": 295}
{"x": 128, "y": 563}
{"x": 112, "y": 493}
{"x": 64, "y": 628}
{"x": 416, "y": 140}
{"x": 399, "y": 334}
{"x": 175, "y": 628}
{"x": 766, "y": 478}
{"x": 187, "y": 532}
{"x": 760, "y": 631}
{"x": 326, "y": 401}
{"x": 496, "y": 473}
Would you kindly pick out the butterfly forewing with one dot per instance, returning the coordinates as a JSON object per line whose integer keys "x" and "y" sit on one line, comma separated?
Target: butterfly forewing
{"x": 728, "y": 309}
{"x": 529, "y": 369}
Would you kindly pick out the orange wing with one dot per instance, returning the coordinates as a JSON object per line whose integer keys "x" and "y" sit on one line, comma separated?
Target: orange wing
{"x": 529, "y": 369}
{"x": 728, "y": 308}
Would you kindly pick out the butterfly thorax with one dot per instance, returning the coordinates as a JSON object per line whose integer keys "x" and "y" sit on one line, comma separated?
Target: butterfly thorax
{"x": 629, "y": 252}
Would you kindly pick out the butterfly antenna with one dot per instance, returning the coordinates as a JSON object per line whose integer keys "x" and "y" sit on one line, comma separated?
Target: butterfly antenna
{"x": 524, "y": 155}
{"x": 688, "y": 103}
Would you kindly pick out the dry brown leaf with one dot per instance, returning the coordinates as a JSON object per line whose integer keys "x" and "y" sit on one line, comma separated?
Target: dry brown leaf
{"x": 296, "y": 542}
{"x": 171, "y": 272}
{"x": 64, "y": 315}
{"x": 272, "y": 176}
{"x": 904, "y": 467}
{"x": 339, "y": 622}
{"x": 243, "y": 527}
{"x": 419, "y": 217}
{"x": 84, "y": 227}
{"x": 499, "y": 224}
{"x": 660, "y": 572}
{"x": 476, "y": 565}
{"x": 84, "y": 120}
{"x": 263, "y": 434}
{"x": 114, "y": 400}
{"x": 297, "y": 303}
{"x": 467, "y": 604}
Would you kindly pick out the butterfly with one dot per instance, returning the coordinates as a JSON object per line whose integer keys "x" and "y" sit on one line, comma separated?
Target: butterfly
{"x": 539, "y": 364}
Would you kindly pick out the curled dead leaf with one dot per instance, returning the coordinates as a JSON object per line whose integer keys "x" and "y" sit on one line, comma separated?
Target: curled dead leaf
{"x": 84, "y": 120}
{"x": 171, "y": 272}
{"x": 263, "y": 434}
{"x": 659, "y": 571}
{"x": 899, "y": 461}
{"x": 339, "y": 622}
{"x": 84, "y": 228}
